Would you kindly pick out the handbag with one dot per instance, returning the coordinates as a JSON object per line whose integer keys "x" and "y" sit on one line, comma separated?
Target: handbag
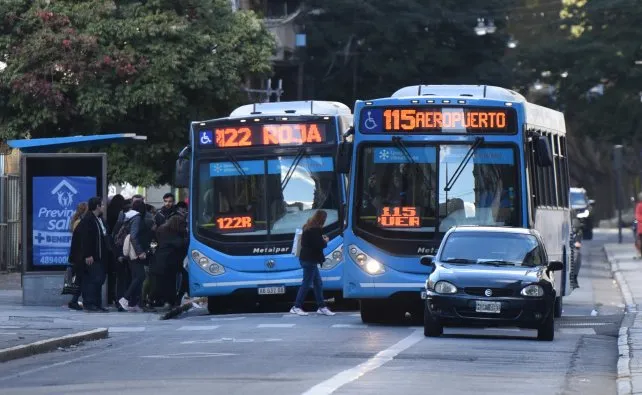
{"x": 70, "y": 286}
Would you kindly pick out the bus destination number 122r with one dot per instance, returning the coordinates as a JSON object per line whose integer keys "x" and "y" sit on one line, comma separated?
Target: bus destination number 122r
{"x": 234, "y": 223}
{"x": 270, "y": 134}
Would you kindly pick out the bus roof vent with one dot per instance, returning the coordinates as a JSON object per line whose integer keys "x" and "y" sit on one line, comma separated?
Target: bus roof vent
{"x": 307, "y": 107}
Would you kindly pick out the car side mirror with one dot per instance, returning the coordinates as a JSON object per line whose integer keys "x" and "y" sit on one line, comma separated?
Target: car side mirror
{"x": 429, "y": 261}
{"x": 555, "y": 266}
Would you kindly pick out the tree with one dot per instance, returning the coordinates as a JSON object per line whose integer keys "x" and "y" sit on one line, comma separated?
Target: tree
{"x": 146, "y": 67}
{"x": 369, "y": 49}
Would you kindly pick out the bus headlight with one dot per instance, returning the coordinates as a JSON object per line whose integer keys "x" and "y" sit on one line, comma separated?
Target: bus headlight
{"x": 364, "y": 262}
{"x": 333, "y": 258}
{"x": 207, "y": 264}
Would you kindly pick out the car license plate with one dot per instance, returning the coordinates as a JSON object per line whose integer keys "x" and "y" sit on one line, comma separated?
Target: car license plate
{"x": 423, "y": 294}
{"x": 488, "y": 307}
{"x": 272, "y": 290}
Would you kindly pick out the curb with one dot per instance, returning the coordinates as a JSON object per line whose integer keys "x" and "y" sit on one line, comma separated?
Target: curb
{"x": 43, "y": 346}
{"x": 623, "y": 380}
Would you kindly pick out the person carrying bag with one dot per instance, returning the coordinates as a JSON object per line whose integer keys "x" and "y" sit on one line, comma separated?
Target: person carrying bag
{"x": 313, "y": 241}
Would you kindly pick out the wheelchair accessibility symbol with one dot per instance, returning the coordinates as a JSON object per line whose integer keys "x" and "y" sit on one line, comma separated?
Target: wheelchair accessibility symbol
{"x": 372, "y": 120}
{"x": 206, "y": 137}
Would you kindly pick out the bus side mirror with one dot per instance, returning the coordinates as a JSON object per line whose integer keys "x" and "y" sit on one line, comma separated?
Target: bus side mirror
{"x": 543, "y": 152}
{"x": 344, "y": 158}
{"x": 182, "y": 170}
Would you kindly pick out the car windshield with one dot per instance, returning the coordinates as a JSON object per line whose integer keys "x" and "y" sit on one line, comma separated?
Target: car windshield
{"x": 578, "y": 199}
{"x": 257, "y": 197}
{"x": 492, "y": 248}
{"x": 402, "y": 190}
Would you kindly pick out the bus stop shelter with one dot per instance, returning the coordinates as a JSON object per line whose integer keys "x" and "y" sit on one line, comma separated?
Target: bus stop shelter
{"x": 51, "y": 185}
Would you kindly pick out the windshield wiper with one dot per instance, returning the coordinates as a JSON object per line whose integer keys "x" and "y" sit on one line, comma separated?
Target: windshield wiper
{"x": 236, "y": 164}
{"x": 290, "y": 172}
{"x": 495, "y": 262}
{"x": 458, "y": 260}
{"x": 460, "y": 169}
{"x": 404, "y": 150}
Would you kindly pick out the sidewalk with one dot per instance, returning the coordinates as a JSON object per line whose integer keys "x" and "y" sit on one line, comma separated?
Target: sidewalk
{"x": 627, "y": 271}
{"x": 28, "y": 330}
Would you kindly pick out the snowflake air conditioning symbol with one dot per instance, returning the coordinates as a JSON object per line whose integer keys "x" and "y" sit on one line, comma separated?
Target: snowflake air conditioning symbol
{"x": 218, "y": 168}
{"x": 384, "y": 154}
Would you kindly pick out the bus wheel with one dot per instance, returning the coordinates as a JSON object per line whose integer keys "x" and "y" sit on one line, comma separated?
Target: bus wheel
{"x": 215, "y": 305}
{"x": 373, "y": 311}
{"x": 559, "y": 305}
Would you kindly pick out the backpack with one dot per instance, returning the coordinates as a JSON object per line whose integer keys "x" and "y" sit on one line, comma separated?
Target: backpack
{"x": 123, "y": 232}
{"x": 296, "y": 243}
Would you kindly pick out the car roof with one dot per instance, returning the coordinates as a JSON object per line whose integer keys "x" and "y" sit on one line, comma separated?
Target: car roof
{"x": 493, "y": 229}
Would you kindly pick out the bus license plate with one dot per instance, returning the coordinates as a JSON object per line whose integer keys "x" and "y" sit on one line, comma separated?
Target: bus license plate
{"x": 488, "y": 307}
{"x": 272, "y": 290}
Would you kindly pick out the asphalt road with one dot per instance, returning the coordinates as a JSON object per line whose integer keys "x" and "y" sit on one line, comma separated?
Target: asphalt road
{"x": 278, "y": 353}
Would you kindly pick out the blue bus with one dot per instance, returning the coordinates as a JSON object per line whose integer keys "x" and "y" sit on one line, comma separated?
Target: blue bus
{"x": 434, "y": 156}
{"x": 254, "y": 179}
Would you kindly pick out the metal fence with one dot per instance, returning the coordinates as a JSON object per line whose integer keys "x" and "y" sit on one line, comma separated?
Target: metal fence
{"x": 9, "y": 222}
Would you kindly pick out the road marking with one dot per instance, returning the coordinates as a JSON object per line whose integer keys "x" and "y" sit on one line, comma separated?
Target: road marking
{"x": 350, "y": 326}
{"x": 227, "y": 318}
{"x": 8, "y": 333}
{"x": 123, "y": 329}
{"x": 197, "y": 328}
{"x": 275, "y": 325}
{"x": 190, "y": 355}
{"x": 230, "y": 340}
{"x": 578, "y": 331}
{"x": 349, "y": 375}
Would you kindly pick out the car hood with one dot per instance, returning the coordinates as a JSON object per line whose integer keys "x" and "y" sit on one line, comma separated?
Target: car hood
{"x": 489, "y": 276}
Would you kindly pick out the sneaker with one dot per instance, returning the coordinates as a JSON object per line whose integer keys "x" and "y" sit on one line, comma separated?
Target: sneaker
{"x": 74, "y": 306}
{"x": 325, "y": 311}
{"x": 297, "y": 311}
{"x": 124, "y": 304}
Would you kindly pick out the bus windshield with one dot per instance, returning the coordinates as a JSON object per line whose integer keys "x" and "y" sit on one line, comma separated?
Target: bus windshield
{"x": 268, "y": 197}
{"x": 395, "y": 194}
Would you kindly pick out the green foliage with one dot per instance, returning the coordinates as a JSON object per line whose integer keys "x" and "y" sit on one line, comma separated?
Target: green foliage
{"x": 145, "y": 67}
{"x": 399, "y": 43}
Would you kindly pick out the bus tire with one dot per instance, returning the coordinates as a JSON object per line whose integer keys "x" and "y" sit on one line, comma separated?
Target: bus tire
{"x": 559, "y": 306}
{"x": 215, "y": 305}
{"x": 373, "y": 311}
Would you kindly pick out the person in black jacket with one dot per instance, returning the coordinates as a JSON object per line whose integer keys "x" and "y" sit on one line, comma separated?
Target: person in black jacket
{"x": 141, "y": 235}
{"x": 172, "y": 247}
{"x": 93, "y": 252}
{"x": 313, "y": 241}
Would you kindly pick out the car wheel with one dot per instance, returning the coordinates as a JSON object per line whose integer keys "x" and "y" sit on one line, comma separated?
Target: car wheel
{"x": 559, "y": 307}
{"x": 432, "y": 328}
{"x": 546, "y": 332}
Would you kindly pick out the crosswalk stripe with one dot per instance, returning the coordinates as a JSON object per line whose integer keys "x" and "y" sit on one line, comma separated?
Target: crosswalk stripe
{"x": 123, "y": 329}
{"x": 578, "y": 331}
{"x": 349, "y": 326}
{"x": 275, "y": 325}
{"x": 198, "y": 328}
{"x": 227, "y": 318}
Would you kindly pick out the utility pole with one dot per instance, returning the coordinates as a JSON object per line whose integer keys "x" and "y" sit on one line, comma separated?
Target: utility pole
{"x": 617, "y": 166}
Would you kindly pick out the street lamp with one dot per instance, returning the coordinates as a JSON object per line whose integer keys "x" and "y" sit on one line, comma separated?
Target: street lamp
{"x": 480, "y": 29}
{"x": 512, "y": 43}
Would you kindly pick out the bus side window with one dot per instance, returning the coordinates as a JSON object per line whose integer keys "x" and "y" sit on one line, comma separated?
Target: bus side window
{"x": 532, "y": 178}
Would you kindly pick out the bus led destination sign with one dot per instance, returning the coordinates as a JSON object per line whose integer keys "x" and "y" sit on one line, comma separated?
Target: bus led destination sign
{"x": 268, "y": 134}
{"x": 438, "y": 119}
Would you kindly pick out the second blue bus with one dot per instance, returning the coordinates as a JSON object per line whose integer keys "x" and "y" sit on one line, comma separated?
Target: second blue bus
{"x": 434, "y": 156}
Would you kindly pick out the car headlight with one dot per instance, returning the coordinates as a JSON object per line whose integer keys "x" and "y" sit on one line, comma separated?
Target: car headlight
{"x": 333, "y": 258}
{"x": 364, "y": 262}
{"x": 207, "y": 264}
{"x": 444, "y": 287}
{"x": 532, "y": 290}
{"x": 583, "y": 214}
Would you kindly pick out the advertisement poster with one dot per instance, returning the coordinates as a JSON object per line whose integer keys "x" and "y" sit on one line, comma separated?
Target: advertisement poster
{"x": 54, "y": 203}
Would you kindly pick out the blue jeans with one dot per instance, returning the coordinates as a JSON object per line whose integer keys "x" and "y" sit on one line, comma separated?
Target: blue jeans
{"x": 311, "y": 275}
